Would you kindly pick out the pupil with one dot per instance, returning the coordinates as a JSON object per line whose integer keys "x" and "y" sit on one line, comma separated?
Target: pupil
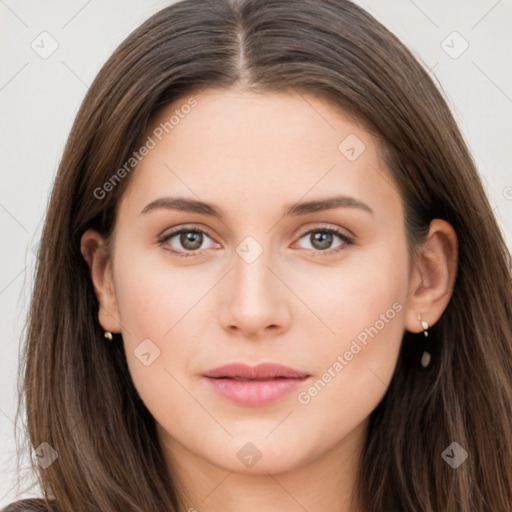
{"x": 321, "y": 240}
{"x": 191, "y": 240}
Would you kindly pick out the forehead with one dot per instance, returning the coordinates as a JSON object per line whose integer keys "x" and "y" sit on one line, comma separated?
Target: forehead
{"x": 247, "y": 149}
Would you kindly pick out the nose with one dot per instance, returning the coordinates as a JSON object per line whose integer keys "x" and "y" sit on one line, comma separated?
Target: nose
{"x": 255, "y": 300}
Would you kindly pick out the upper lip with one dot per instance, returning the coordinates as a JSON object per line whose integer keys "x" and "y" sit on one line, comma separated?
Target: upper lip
{"x": 260, "y": 371}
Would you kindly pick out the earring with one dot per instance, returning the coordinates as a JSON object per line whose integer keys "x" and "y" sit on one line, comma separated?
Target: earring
{"x": 108, "y": 335}
{"x": 424, "y": 325}
{"x": 426, "y": 357}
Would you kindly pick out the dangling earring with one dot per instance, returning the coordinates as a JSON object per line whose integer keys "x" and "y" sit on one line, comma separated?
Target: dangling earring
{"x": 108, "y": 335}
{"x": 426, "y": 357}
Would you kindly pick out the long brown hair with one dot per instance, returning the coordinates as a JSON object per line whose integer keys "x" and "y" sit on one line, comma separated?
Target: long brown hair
{"x": 77, "y": 390}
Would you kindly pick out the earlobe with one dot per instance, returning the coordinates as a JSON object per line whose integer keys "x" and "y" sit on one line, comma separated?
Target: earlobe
{"x": 433, "y": 276}
{"x": 93, "y": 249}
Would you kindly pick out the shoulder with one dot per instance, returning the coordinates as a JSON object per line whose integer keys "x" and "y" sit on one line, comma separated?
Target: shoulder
{"x": 27, "y": 505}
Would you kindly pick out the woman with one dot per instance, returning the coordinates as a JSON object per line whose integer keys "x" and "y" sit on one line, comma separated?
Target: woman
{"x": 269, "y": 278}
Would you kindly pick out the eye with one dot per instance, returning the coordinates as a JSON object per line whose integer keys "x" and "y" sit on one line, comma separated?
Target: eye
{"x": 321, "y": 240}
{"x": 189, "y": 239}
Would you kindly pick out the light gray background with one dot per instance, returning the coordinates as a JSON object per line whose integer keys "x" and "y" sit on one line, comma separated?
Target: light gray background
{"x": 40, "y": 97}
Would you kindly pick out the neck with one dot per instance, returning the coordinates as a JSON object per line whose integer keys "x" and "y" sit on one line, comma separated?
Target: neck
{"x": 326, "y": 483}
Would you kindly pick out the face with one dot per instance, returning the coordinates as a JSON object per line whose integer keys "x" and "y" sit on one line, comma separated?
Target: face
{"x": 304, "y": 264}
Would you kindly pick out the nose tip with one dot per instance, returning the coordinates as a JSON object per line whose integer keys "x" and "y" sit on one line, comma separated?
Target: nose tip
{"x": 254, "y": 300}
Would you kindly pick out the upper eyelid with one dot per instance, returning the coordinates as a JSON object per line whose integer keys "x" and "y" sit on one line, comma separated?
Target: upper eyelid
{"x": 184, "y": 227}
{"x": 337, "y": 229}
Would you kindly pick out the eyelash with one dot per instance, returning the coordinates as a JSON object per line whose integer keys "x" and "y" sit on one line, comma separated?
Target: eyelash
{"x": 321, "y": 229}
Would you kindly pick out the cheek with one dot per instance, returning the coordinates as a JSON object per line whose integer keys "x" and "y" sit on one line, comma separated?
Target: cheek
{"x": 346, "y": 299}
{"x": 153, "y": 296}
{"x": 365, "y": 308}
{"x": 352, "y": 380}
{"x": 156, "y": 303}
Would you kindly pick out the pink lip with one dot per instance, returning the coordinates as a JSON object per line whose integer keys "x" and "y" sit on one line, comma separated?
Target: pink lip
{"x": 267, "y": 382}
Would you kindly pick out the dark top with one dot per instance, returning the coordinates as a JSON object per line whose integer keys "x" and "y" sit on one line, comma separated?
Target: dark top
{"x": 27, "y": 505}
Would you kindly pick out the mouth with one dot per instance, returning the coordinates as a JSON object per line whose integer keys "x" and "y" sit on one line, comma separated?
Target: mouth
{"x": 254, "y": 386}
{"x": 263, "y": 371}
{"x": 242, "y": 379}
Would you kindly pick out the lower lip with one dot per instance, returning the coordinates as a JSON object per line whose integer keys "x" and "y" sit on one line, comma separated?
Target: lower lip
{"x": 255, "y": 393}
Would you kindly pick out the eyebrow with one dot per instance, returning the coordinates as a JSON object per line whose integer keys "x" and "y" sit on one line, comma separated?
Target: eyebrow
{"x": 302, "y": 208}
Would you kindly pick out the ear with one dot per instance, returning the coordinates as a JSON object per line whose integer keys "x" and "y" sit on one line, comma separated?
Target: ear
{"x": 93, "y": 248}
{"x": 432, "y": 276}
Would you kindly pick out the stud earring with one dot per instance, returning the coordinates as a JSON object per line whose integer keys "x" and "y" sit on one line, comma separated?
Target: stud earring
{"x": 424, "y": 325}
{"x": 426, "y": 357}
{"x": 108, "y": 335}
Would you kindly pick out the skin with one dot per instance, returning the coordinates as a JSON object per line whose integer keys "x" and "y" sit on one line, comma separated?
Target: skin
{"x": 252, "y": 155}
